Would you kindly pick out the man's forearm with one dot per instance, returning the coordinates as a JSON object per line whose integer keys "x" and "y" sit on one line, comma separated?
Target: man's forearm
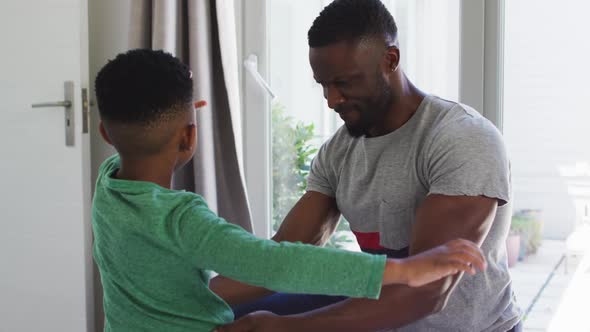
{"x": 399, "y": 305}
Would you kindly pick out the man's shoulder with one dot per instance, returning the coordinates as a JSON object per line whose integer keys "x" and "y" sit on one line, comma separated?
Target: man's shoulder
{"x": 444, "y": 112}
{"x": 457, "y": 121}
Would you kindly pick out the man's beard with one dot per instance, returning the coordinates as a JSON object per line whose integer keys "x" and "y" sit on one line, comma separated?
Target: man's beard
{"x": 372, "y": 111}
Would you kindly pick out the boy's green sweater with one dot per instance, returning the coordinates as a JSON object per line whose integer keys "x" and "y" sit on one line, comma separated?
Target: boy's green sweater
{"x": 155, "y": 249}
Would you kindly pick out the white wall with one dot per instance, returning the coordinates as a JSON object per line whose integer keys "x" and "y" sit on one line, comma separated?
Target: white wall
{"x": 108, "y": 26}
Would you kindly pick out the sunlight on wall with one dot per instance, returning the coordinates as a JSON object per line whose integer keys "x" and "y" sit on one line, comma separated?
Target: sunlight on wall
{"x": 572, "y": 312}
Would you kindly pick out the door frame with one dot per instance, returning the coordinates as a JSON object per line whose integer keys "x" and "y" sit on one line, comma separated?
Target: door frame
{"x": 481, "y": 77}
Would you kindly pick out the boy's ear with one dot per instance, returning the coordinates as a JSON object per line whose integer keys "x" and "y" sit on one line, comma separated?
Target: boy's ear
{"x": 189, "y": 138}
{"x": 103, "y": 133}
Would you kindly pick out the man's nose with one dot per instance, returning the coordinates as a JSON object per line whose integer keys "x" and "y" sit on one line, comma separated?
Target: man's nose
{"x": 333, "y": 96}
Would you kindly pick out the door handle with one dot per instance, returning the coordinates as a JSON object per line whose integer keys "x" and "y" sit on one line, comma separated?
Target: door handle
{"x": 67, "y": 104}
{"x": 63, "y": 103}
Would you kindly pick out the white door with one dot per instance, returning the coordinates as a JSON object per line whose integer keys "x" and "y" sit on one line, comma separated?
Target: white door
{"x": 45, "y": 256}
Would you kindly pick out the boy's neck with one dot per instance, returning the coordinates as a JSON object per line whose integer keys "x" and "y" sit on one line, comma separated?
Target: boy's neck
{"x": 155, "y": 170}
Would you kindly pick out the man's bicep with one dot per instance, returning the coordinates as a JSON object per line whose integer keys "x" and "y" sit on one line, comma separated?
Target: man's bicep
{"x": 469, "y": 159}
{"x": 442, "y": 218}
{"x": 312, "y": 219}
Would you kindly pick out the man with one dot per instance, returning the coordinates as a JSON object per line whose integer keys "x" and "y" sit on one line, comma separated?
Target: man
{"x": 409, "y": 171}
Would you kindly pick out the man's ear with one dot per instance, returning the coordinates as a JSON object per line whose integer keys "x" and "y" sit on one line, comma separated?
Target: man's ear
{"x": 392, "y": 58}
{"x": 103, "y": 133}
{"x": 189, "y": 138}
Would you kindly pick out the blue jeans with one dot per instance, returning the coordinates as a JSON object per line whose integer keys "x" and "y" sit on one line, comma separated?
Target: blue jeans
{"x": 287, "y": 304}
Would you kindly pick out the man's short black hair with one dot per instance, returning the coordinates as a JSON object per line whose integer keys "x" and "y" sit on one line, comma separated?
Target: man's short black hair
{"x": 142, "y": 87}
{"x": 352, "y": 20}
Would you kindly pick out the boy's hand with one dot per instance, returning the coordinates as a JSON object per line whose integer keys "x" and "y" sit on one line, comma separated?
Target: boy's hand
{"x": 442, "y": 261}
{"x": 260, "y": 321}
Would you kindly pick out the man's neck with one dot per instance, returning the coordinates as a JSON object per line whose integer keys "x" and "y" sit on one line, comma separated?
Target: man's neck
{"x": 402, "y": 110}
{"x": 155, "y": 170}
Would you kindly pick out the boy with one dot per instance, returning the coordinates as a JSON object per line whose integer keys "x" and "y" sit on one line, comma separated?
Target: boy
{"x": 154, "y": 246}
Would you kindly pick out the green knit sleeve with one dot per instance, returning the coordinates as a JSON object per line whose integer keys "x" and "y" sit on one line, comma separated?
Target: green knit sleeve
{"x": 213, "y": 244}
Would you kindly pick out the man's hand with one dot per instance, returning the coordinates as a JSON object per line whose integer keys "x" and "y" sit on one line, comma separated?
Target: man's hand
{"x": 451, "y": 258}
{"x": 259, "y": 321}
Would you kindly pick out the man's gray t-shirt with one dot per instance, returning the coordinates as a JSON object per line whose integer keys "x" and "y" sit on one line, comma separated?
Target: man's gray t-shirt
{"x": 445, "y": 148}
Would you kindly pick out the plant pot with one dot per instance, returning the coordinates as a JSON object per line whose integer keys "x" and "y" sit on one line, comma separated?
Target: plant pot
{"x": 513, "y": 249}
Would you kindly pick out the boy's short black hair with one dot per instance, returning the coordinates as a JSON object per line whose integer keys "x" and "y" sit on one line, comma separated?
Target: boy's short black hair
{"x": 142, "y": 87}
{"x": 351, "y": 20}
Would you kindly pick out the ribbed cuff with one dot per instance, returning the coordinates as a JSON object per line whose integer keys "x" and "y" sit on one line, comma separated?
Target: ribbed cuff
{"x": 376, "y": 278}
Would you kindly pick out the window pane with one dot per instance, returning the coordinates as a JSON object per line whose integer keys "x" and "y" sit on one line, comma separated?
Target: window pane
{"x": 546, "y": 130}
{"x": 301, "y": 120}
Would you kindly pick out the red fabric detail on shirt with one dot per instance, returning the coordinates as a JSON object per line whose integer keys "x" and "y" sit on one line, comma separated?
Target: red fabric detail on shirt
{"x": 368, "y": 240}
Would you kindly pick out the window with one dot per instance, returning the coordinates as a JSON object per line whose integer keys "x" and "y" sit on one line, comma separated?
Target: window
{"x": 546, "y": 131}
{"x": 298, "y": 119}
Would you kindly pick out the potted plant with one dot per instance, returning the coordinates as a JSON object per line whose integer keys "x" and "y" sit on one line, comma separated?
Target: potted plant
{"x": 525, "y": 235}
{"x": 529, "y": 224}
{"x": 534, "y": 229}
{"x": 514, "y": 250}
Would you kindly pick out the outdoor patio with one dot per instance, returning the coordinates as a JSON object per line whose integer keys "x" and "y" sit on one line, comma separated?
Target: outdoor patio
{"x": 554, "y": 292}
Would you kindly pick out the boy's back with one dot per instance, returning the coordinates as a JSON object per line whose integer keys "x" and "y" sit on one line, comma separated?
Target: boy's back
{"x": 153, "y": 247}
{"x": 149, "y": 283}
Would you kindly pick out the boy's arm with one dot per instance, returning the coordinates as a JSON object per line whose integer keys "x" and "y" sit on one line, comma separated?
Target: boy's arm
{"x": 312, "y": 220}
{"x": 227, "y": 249}
{"x": 426, "y": 267}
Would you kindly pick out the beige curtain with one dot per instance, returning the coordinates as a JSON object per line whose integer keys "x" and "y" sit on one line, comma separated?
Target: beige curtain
{"x": 202, "y": 33}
